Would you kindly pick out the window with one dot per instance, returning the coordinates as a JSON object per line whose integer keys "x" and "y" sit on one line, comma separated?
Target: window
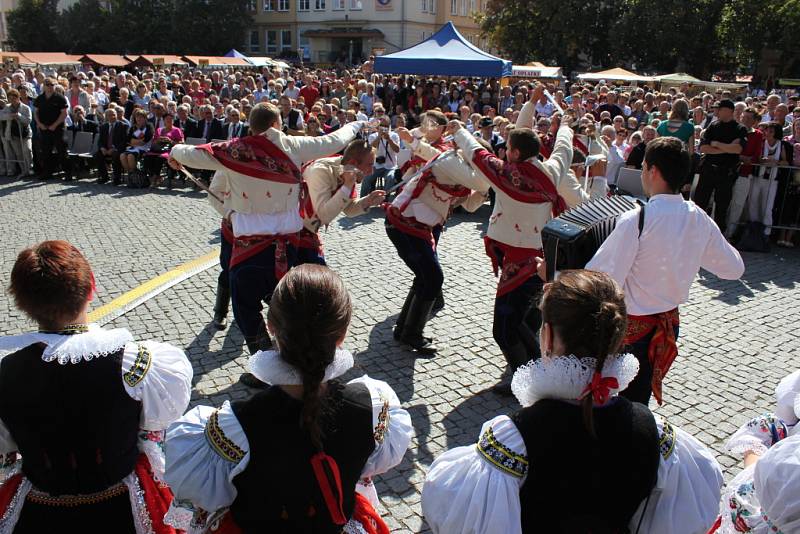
{"x": 423, "y": 5}
{"x": 319, "y": 5}
{"x": 463, "y": 8}
{"x": 255, "y": 46}
{"x": 286, "y": 40}
{"x": 338, "y": 4}
{"x": 283, "y": 5}
{"x": 454, "y": 7}
{"x": 356, "y": 4}
{"x": 472, "y": 7}
{"x": 433, "y": 6}
{"x": 269, "y": 5}
{"x": 272, "y": 42}
{"x": 251, "y": 5}
{"x": 303, "y": 5}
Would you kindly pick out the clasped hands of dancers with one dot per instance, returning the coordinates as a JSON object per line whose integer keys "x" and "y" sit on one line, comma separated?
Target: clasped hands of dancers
{"x": 333, "y": 437}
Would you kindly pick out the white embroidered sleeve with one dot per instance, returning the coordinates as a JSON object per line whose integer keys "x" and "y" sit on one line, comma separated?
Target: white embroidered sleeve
{"x": 475, "y": 489}
{"x": 757, "y": 435}
{"x": 160, "y": 376}
{"x": 9, "y": 458}
{"x": 787, "y": 396}
{"x": 685, "y": 499}
{"x": 391, "y": 427}
{"x": 206, "y": 449}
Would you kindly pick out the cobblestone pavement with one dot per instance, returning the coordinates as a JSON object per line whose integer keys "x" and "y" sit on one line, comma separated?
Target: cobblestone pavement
{"x": 737, "y": 338}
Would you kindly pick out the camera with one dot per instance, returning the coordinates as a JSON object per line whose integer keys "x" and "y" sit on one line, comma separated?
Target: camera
{"x": 380, "y": 160}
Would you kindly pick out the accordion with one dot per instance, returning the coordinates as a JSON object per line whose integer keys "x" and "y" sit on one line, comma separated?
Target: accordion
{"x": 570, "y": 240}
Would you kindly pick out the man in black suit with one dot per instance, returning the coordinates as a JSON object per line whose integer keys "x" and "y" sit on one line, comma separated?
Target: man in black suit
{"x": 80, "y": 124}
{"x": 113, "y": 139}
{"x": 234, "y": 127}
{"x": 208, "y": 127}
{"x": 183, "y": 121}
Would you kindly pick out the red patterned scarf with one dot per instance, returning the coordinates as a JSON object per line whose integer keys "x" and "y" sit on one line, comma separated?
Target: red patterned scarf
{"x": 663, "y": 346}
{"x": 257, "y": 157}
{"x": 516, "y": 266}
{"x": 440, "y": 144}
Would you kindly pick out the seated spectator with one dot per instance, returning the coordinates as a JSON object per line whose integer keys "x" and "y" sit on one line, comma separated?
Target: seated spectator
{"x": 209, "y": 127}
{"x": 292, "y": 118}
{"x": 163, "y": 140}
{"x": 140, "y": 135}
{"x": 16, "y": 131}
{"x": 636, "y": 156}
{"x": 126, "y": 103}
{"x": 355, "y": 430}
{"x": 313, "y": 127}
{"x": 576, "y": 435}
{"x": 141, "y": 98}
{"x": 186, "y": 123}
{"x": 82, "y": 408}
{"x": 112, "y": 141}
{"x": 234, "y": 127}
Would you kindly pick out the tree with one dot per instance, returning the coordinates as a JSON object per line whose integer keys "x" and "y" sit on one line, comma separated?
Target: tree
{"x": 192, "y": 36}
{"x": 86, "y": 27}
{"x": 32, "y": 26}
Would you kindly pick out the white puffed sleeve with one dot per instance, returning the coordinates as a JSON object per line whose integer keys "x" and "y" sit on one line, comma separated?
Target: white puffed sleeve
{"x": 475, "y": 489}
{"x": 757, "y": 435}
{"x": 685, "y": 499}
{"x": 9, "y": 457}
{"x": 787, "y": 396}
{"x": 206, "y": 449}
{"x": 160, "y": 376}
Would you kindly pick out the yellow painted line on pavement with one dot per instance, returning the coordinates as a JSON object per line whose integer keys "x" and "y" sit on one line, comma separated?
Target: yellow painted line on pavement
{"x": 128, "y": 301}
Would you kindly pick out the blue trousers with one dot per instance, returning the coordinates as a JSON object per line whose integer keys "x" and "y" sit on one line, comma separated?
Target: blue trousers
{"x": 368, "y": 184}
{"x": 421, "y": 258}
{"x": 310, "y": 255}
{"x": 516, "y": 316}
{"x": 225, "y": 251}
{"x": 252, "y": 283}
{"x": 641, "y": 388}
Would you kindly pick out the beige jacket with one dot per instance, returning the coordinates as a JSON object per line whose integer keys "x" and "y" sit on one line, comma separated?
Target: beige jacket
{"x": 245, "y": 194}
{"x": 327, "y": 196}
{"x": 516, "y": 223}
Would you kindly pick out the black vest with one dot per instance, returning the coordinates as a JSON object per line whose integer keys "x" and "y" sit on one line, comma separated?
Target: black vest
{"x": 277, "y": 492}
{"x": 74, "y": 424}
{"x": 586, "y": 485}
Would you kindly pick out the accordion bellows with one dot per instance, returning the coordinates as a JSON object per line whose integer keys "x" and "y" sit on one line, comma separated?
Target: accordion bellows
{"x": 570, "y": 240}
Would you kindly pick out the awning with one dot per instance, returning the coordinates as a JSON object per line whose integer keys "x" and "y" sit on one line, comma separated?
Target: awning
{"x": 47, "y": 58}
{"x": 261, "y": 61}
{"x": 215, "y": 61}
{"x": 105, "y": 60}
{"x": 789, "y": 81}
{"x": 535, "y": 71}
{"x": 677, "y": 78}
{"x": 617, "y": 74}
{"x": 343, "y": 33}
{"x": 154, "y": 60}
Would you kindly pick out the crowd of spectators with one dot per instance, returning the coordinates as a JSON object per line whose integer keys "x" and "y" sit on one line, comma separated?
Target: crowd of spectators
{"x": 135, "y": 117}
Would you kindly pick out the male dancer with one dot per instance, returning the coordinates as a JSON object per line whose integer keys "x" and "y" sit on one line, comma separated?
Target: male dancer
{"x": 262, "y": 191}
{"x": 528, "y": 193}
{"x": 656, "y": 261}
{"x": 331, "y": 184}
{"x": 414, "y": 222}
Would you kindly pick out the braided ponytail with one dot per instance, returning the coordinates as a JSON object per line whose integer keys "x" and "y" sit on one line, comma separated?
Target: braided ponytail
{"x": 587, "y": 311}
{"x": 309, "y": 314}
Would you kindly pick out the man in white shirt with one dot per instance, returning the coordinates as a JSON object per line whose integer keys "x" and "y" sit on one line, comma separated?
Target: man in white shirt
{"x": 292, "y": 91}
{"x": 655, "y": 254}
{"x": 387, "y": 149}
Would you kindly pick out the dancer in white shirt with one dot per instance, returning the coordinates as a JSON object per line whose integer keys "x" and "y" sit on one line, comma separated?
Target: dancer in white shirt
{"x": 657, "y": 261}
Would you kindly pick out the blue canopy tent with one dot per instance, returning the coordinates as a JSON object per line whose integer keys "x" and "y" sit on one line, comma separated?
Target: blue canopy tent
{"x": 445, "y": 53}
{"x": 235, "y": 53}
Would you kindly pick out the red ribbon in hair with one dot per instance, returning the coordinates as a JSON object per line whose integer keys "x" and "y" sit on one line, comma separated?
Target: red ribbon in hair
{"x": 600, "y": 388}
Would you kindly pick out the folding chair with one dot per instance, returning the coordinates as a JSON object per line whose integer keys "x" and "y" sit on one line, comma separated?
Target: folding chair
{"x": 82, "y": 146}
{"x": 629, "y": 182}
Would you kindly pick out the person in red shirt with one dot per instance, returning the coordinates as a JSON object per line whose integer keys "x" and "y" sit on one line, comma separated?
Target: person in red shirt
{"x": 309, "y": 92}
{"x": 751, "y": 152}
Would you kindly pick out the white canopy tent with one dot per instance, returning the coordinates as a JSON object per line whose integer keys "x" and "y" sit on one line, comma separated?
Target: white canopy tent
{"x": 612, "y": 75}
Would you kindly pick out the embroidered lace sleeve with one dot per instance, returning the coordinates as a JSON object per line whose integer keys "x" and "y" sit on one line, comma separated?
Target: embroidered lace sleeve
{"x": 757, "y": 435}
{"x": 391, "y": 427}
{"x": 685, "y": 499}
{"x": 206, "y": 449}
{"x": 160, "y": 376}
{"x": 475, "y": 489}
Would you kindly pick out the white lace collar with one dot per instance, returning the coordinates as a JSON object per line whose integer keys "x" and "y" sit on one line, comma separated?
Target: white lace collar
{"x": 95, "y": 343}
{"x": 565, "y": 377}
{"x": 270, "y": 368}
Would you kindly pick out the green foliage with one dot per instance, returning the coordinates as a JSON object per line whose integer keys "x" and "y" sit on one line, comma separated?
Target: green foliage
{"x": 130, "y": 26}
{"x": 31, "y": 26}
{"x": 697, "y": 36}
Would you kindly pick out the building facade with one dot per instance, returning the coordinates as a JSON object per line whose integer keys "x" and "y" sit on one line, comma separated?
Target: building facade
{"x": 349, "y": 31}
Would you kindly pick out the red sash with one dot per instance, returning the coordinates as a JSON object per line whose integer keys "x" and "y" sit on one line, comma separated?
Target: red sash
{"x": 577, "y": 143}
{"x": 518, "y": 264}
{"x": 546, "y": 145}
{"x": 523, "y": 181}
{"x": 246, "y": 247}
{"x": 663, "y": 347}
{"x": 227, "y": 230}
{"x": 408, "y": 225}
{"x": 305, "y": 238}
{"x": 257, "y": 157}
{"x": 452, "y": 191}
{"x": 440, "y": 144}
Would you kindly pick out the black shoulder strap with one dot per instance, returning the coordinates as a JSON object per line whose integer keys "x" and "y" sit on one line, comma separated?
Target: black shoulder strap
{"x": 641, "y": 217}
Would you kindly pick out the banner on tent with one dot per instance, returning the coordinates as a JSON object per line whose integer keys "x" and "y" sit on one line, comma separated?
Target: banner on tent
{"x": 383, "y": 5}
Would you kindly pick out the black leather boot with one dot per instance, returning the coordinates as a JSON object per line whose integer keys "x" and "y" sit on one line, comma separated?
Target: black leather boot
{"x": 222, "y": 305}
{"x": 418, "y": 312}
{"x": 516, "y": 356}
{"x": 401, "y": 319}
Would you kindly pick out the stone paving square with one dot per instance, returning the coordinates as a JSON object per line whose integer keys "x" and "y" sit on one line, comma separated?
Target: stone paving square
{"x": 737, "y": 340}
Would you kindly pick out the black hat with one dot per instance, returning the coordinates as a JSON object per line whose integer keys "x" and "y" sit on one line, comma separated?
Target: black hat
{"x": 726, "y": 103}
{"x": 485, "y": 122}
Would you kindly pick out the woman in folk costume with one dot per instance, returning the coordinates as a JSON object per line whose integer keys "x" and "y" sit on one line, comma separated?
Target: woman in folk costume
{"x": 414, "y": 222}
{"x": 82, "y": 409}
{"x": 261, "y": 189}
{"x": 763, "y": 497}
{"x": 298, "y": 456}
{"x": 577, "y": 458}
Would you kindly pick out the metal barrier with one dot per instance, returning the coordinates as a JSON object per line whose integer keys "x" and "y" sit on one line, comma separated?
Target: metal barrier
{"x": 786, "y": 191}
{"x": 11, "y": 153}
